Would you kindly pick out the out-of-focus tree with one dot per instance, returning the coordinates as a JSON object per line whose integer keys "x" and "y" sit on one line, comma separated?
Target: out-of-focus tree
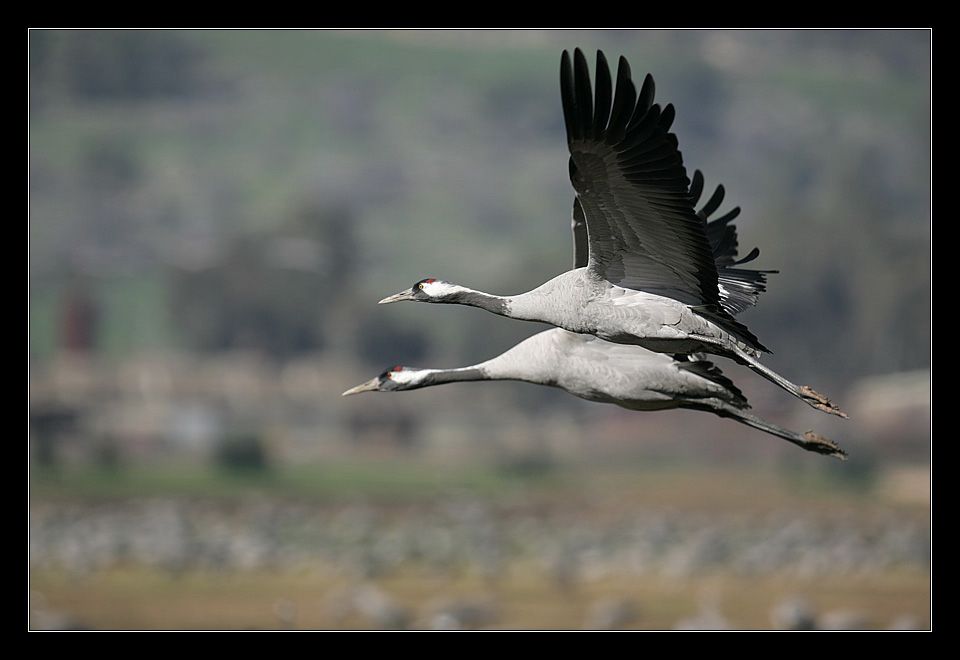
{"x": 112, "y": 65}
{"x": 271, "y": 292}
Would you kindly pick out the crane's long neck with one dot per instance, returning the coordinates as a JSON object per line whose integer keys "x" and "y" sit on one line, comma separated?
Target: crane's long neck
{"x": 530, "y": 361}
{"x": 431, "y": 377}
{"x": 496, "y": 304}
{"x": 540, "y": 304}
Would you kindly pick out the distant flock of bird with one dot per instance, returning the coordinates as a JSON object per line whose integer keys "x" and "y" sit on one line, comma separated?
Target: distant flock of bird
{"x": 656, "y": 284}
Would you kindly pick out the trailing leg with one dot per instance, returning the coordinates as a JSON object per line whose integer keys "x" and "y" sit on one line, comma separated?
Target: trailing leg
{"x": 806, "y": 394}
{"x": 809, "y": 440}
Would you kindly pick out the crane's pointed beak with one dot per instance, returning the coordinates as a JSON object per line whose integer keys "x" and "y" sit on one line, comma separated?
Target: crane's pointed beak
{"x": 371, "y": 385}
{"x": 397, "y": 297}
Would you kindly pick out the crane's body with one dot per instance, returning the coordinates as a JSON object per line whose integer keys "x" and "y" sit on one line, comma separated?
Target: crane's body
{"x": 600, "y": 371}
{"x": 581, "y": 302}
{"x": 646, "y": 274}
{"x": 596, "y": 370}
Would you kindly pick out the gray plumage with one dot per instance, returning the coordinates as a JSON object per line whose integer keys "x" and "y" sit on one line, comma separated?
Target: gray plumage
{"x": 596, "y": 370}
{"x": 629, "y": 375}
{"x": 649, "y": 277}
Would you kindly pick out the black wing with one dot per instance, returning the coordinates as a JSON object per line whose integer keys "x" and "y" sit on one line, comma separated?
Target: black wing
{"x": 633, "y": 190}
{"x": 739, "y": 287}
{"x": 635, "y": 195}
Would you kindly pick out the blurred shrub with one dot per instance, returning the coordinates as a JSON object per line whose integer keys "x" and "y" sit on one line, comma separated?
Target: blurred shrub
{"x": 242, "y": 452}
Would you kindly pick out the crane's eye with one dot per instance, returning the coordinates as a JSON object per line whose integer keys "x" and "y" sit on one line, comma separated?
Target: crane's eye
{"x": 420, "y": 286}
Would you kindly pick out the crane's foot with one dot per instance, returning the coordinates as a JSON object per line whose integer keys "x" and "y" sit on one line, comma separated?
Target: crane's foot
{"x": 821, "y": 402}
{"x": 821, "y": 445}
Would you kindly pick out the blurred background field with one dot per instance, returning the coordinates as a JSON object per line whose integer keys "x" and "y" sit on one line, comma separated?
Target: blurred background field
{"x": 213, "y": 216}
{"x": 653, "y": 547}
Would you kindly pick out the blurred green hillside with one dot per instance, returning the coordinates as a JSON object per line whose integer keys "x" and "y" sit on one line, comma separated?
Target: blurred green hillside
{"x": 214, "y": 214}
{"x": 262, "y": 189}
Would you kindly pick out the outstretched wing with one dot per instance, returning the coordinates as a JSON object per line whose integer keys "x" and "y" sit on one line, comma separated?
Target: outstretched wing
{"x": 739, "y": 288}
{"x": 627, "y": 170}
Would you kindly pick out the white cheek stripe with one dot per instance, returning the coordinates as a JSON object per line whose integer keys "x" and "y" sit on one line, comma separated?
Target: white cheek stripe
{"x": 404, "y": 376}
{"x": 439, "y": 288}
